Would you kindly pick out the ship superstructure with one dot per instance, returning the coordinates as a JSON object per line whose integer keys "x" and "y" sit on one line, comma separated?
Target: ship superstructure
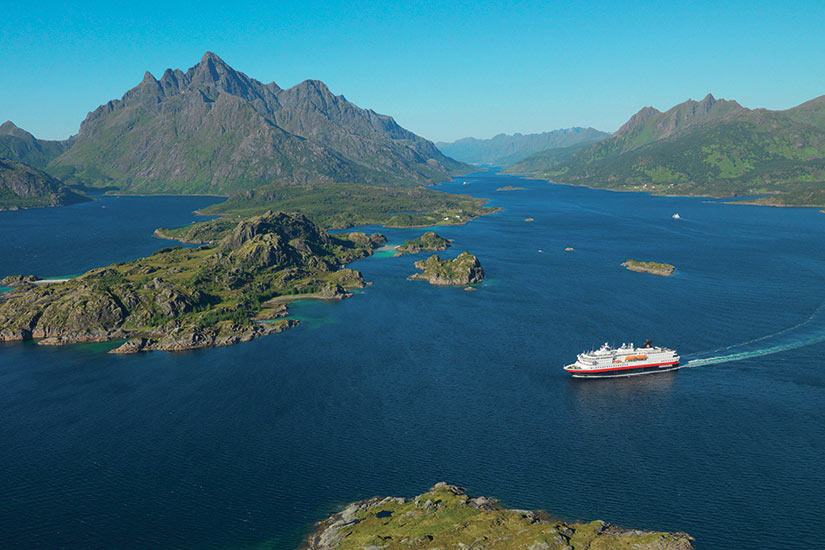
{"x": 626, "y": 360}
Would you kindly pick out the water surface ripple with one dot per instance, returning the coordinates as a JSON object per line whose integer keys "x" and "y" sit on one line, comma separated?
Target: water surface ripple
{"x": 407, "y": 384}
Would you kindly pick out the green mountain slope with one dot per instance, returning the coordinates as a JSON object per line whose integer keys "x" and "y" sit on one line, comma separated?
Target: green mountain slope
{"x": 214, "y": 130}
{"x": 504, "y": 149}
{"x": 541, "y": 162}
{"x": 713, "y": 147}
{"x": 22, "y": 186}
{"x": 20, "y": 146}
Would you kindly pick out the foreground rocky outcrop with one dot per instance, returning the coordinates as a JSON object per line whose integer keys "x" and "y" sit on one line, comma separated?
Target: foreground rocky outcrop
{"x": 429, "y": 242}
{"x": 446, "y": 518}
{"x": 187, "y": 298}
{"x": 463, "y": 270}
{"x": 654, "y": 268}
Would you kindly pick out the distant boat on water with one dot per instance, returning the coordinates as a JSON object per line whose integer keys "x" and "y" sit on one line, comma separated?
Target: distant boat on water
{"x": 676, "y": 216}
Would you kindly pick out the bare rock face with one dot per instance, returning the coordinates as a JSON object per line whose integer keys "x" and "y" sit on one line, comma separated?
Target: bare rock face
{"x": 212, "y": 129}
{"x": 463, "y": 270}
{"x": 23, "y": 186}
{"x": 430, "y": 521}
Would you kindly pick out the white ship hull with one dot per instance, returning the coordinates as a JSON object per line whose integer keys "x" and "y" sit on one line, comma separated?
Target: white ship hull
{"x": 626, "y": 360}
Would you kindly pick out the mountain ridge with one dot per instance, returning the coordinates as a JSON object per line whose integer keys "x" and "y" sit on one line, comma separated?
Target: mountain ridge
{"x": 505, "y": 149}
{"x": 712, "y": 147}
{"x": 212, "y": 129}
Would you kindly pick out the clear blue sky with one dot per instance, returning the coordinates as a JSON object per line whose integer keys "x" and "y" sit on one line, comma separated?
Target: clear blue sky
{"x": 443, "y": 69}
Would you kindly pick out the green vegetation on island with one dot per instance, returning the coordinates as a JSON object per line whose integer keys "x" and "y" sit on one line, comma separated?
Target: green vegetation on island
{"x": 708, "y": 148}
{"x": 465, "y": 269}
{"x": 184, "y": 298}
{"x": 654, "y": 268}
{"x": 337, "y": 206}
{"x": 446, "y": 517}
{"x": 428, "y": 242}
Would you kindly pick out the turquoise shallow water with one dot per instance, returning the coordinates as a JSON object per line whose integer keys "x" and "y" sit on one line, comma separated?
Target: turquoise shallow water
{"x": 406, "y": 384}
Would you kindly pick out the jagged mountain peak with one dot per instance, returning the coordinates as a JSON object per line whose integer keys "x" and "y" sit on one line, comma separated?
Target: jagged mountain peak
{"x": 217, "y": 130}
{"x": 212, "y": 57}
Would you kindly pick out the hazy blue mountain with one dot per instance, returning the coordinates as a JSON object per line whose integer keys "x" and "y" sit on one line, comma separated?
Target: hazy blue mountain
{"x": 504, "y": 149}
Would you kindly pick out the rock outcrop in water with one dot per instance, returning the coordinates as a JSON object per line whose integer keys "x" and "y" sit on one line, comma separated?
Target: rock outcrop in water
{"x": 429, "y": 242}
{"x": 185, "y": 298}
{"x": 654, "y": 268}
{"x": 464, "y": 270}
{"x": 446, "y": 517}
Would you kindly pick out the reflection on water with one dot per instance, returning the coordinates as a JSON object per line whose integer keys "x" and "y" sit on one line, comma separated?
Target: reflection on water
{"x": 595, "y": 394}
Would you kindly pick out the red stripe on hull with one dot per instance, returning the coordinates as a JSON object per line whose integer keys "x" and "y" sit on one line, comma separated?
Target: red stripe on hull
{"x": 628, "y": 367}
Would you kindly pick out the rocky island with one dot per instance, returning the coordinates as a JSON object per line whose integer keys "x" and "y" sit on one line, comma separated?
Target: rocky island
{"x": 185, "y": 298}
{"x": 464, "y": 270}
{"x": 654, "y": 268}
{"x": 428, "y": 242}
{"x": 446, "y": 517}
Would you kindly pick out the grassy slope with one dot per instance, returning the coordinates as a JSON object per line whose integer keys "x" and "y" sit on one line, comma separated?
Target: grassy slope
{"x": 445, "y": 517}
{"x": 429, "y": 241}
{"x": 734, "y": 152}
{"x": 347, "y": 205}
{"x": 196, "y": 289}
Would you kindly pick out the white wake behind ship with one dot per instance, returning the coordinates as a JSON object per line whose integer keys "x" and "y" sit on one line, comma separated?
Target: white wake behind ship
{"x": 627, "y": 360}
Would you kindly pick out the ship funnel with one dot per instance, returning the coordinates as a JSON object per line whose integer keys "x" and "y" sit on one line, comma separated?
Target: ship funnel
{"x": 648, "y": 343}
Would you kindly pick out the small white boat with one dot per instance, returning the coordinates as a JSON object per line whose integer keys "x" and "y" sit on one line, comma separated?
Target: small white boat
{"x": 676, "y": 216}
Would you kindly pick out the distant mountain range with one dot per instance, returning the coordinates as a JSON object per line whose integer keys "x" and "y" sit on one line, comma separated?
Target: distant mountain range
{"x": 214, "y": 130}
{"x": 504, "y": 149}
{"x": 708, "y": 147}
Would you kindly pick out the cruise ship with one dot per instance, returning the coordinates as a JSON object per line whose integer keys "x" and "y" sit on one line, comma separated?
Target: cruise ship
{"x": 627, "y": 360}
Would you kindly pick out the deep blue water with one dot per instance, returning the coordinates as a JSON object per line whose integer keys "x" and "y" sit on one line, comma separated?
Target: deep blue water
{"x": 407, "y": 384}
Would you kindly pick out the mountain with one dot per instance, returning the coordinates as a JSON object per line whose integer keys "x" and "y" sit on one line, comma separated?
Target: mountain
{"x": 18, "y": 145}
{"x": 214, "y": 130}
{"x": 710, "y": 147}
{"x": 540, "y": 162}
{"x": 504, "y": 149}
{"x": 22, "y": 186}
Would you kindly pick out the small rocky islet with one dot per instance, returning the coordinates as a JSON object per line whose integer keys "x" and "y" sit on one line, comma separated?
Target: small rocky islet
{"x": 445, "y": 517}
{"x": 465, "y": 269}
{"x": 186, "y": 298}
{"x": 428, "y": 242}
{"x": 654, "y": 268}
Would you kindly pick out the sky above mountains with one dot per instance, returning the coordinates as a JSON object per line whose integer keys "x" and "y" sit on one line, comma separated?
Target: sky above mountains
{"x": 444, "y": 70}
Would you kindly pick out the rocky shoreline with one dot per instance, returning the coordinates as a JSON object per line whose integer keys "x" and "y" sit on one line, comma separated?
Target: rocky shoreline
{"x": 654, "y": 268}
{"x": 188, "y": 298}
{"x": 428, "y": 242}
{"x": 465, "y": 269}
{"x": 446, "y": 517}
